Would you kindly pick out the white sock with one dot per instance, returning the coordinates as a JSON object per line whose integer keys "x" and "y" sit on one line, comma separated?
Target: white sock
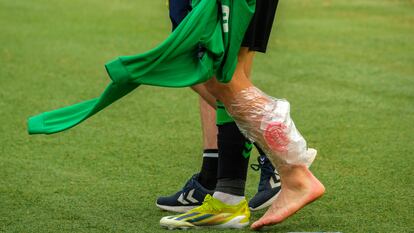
{"x": 228, "y": 199}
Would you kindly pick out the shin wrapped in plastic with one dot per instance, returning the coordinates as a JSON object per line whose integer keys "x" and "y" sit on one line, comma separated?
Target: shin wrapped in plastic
{"x": 266, "y": 121}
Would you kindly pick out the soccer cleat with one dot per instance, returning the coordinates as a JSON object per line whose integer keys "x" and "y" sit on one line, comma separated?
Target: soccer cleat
{"x": 212, "y": 213}
{"x": 189, "y": 197}
{"x": 269, "y": 185}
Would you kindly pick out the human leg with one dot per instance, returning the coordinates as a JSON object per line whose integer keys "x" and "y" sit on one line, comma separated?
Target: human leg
{"x": 234, "y": 148}
{"x": 227, "y": 207}
{"x": 253, "y": 110}
{"x": 208, "y": 172}
{"x": 300, "y": 187}
{"x": 256, "y": 40}
{"x": 230, "y": 130}
{"x": 207, "y": 176}
{"x": 228, "y": 201}
{"x": 269, "y": 184}
{"x": 199, "y": 185}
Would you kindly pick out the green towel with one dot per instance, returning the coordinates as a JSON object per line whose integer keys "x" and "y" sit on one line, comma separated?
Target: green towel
{"x": 205, "y": 44}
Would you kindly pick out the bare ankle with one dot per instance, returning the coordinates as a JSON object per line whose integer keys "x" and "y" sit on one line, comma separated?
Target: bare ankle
{"x": 297, "y": 177}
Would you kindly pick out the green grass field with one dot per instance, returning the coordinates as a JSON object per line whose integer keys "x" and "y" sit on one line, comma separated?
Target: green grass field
{"x": 347, "y": 68}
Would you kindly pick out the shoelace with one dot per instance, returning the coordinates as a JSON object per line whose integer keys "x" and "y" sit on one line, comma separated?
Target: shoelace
{"x": 208, "y": 205}
{"x": 259, "y": 166}
{"x": 267, "y": 172}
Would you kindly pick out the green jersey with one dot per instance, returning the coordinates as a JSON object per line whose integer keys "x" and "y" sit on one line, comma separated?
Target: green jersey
{"x": 205, "y": 44}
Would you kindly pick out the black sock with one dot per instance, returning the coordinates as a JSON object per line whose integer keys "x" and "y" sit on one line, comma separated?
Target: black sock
{"x": 232, "y": 164}
{"x": 208, "y": 173}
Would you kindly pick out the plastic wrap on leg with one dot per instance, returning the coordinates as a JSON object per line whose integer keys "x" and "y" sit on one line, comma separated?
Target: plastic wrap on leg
{"x": 266, "y": 120}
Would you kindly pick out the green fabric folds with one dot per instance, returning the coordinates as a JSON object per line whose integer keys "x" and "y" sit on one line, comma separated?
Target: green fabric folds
{"x": 205, "y": 44}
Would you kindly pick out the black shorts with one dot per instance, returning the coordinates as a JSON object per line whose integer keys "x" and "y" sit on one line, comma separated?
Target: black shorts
{"x": 258, "y": 32}
{"x": 178, "y": 11}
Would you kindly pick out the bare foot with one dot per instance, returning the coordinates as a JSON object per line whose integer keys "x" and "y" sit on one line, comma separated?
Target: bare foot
{"x": 299, "y": 188}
